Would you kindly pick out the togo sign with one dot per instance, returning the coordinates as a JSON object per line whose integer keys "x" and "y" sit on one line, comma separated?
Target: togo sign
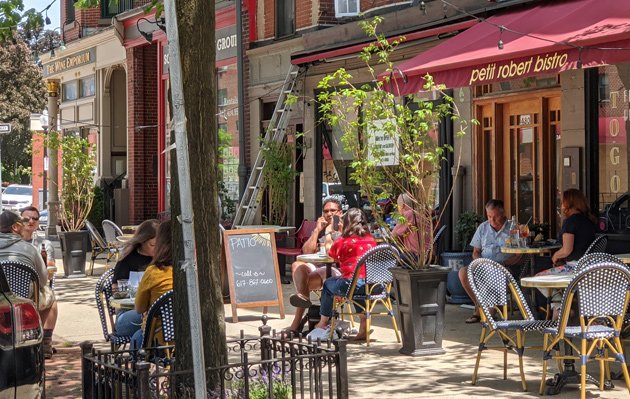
{"x": 65, "y": 63}
{"x": 226, "y": 43}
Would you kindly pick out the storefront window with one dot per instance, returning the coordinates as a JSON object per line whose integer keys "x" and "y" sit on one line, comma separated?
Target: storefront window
{"x": 69, "y": 91}
{"x": 614, "y": 100}
{"x": 227, "y": 119}
{"x": 87, "y": 86}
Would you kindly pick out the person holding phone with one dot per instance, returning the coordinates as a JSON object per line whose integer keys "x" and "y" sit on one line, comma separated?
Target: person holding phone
{"x": 308, "y": 276}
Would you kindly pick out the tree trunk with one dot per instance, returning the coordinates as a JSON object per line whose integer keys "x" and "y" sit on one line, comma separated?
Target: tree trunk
{"x": 195, "y": 19}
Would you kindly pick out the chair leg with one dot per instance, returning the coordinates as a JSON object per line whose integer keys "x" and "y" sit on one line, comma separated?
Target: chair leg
{"x": 583, "y": 370}
{"x": 482, "y": 341}
{"x": 390, "y": 310}
{"x": 520, "y": 343}
{"x": 544, "y": 368}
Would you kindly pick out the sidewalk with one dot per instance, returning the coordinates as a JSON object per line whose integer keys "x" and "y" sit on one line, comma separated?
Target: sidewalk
{"x": 374, "y": 371}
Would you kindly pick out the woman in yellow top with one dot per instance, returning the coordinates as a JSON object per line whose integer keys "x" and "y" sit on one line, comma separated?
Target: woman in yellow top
{"x": 157, "y": 279}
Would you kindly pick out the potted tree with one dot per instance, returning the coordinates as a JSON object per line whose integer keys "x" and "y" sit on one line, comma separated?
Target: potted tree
{"x": 465, "y": 228}
{"x": 395, "y": 150}
{"x": 78, "y": 161}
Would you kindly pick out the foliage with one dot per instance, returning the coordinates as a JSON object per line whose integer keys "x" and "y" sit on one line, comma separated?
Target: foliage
{"x": 22, "y": 92}
{"x": 394, "y": 146}
{"x": 258, "y": 388}
{"x": 465, "y": 227}
{"x": 78, "y": 161}
{"x": 279, "y": 175}
{"x": 12, "y": 13}
{"x": 96, "y": 214}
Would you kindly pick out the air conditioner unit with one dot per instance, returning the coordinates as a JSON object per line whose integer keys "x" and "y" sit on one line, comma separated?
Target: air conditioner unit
{"x": 222, "y": 69}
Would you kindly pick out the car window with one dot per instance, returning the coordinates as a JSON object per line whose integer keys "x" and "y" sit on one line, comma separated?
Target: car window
{"x": 19, "y": 191}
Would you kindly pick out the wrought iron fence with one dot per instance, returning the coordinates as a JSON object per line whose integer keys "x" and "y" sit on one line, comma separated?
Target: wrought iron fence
{"x": 265, "y": 367}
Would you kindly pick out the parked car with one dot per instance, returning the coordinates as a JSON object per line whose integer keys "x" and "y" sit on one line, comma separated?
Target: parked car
{"x": 616, "y": 216}
{"x": 43, "y": 219}
{"x": 21, "y": 348}
{"x": 17, "y": 196}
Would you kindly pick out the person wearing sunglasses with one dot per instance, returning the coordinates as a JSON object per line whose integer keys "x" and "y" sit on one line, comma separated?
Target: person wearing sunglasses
{"x": 28, "y": 234}
{"x": 14, "y": 248}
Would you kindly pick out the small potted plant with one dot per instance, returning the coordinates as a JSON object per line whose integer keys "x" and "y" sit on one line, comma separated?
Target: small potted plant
{"x": 465, "y": 228}
{"x": 76, "y": 196}
{"x": 539, "y": 230}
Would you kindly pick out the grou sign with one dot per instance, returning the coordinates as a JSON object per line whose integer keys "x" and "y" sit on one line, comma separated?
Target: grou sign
{"x": 226, "y": 43}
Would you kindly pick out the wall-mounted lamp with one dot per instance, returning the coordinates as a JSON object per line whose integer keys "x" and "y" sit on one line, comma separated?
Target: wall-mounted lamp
{"x": 148, "y": 36}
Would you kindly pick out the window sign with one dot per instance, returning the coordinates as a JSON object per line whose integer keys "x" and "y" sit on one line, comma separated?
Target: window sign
{"x": 386, "y": 147}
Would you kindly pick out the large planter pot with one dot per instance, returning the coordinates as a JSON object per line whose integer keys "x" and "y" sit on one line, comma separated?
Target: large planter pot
{"x": 73, "y": 244}
{"x": 456, "y": 260}
{"x": 421, "y": 298}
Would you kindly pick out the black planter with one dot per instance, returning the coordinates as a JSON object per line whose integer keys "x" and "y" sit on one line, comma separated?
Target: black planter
{"x": 456, "y": 260}
{"x": 73, "y": 244}
{"x": 421, "y": 298}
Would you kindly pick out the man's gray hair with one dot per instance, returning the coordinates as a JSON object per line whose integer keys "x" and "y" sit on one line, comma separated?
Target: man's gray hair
{"x": 332, "y": 198}
{"x": 406, "y": 199}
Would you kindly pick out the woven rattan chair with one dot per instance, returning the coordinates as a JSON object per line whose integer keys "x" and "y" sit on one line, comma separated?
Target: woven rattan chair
{"x": 596, "y": 257}
{"x": 491, "y": 283}
{"x": 598, "y": 245}
{"x": 160, "y": 326}
{"x": 98, "y": 244}
{"x": 111, "y": 231}
{"x": 378, "y": 284}
{"x": 23, "y": 279}
{"x": 106, "y": 312}
{"x": 602, "y": 292}
{"x": 436, "y": 247}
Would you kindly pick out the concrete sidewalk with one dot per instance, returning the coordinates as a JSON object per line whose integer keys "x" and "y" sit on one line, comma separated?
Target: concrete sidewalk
{"x": 374, "y": 371}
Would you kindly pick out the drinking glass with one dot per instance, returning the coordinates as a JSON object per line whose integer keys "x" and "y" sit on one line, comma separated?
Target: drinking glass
{"x": 133, "y": 290}
{"x": 524, "y": 230}
{"x": 123, "y": 285}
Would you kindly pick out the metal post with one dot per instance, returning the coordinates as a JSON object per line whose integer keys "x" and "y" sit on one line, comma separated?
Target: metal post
{"x": 53, "y": 198}
{"x": 242, "y": 167}
{"x": 181, "y": 140}
{"x": 87, "y": 373}
{"x": 45, "y": 183}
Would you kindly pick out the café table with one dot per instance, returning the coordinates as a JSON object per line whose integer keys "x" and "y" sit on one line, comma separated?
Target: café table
{"x": 276, "y": 228}
{"x": 537, "y": 250}
{"x": 318, "y": 258}
{"x": 124, "y": 303}
{"x": 124, "y": 238}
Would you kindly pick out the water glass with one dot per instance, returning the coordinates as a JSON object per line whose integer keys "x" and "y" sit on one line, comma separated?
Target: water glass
{"x": 133, "y": 290}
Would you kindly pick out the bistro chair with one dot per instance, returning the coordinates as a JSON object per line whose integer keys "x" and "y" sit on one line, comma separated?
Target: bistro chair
{"x": 597, "y": 257}
{"x": 603, "y": 291}
{"x": 106, "y": 312}
{"x": 159, "y": 328}
{"x": 598, "y": 245}
{"x": 301, "y": 236}
{"x": 491, "y": 284}
{"x": 377, "y": 289}
{"x": 98, "y": 244}
{"x": 435, "y": 247}
{"x": 23, "y": 279}
{"x": 111, "y": 231}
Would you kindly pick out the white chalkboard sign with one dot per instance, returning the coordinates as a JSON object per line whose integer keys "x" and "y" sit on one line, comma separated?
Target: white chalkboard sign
{"x": 252, "y": 268}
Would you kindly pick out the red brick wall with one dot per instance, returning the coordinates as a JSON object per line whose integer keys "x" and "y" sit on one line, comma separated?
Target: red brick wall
{"x": 303, "y": 13}
{"x": 246, "y": 80}
{"x": 142, "y": 143}
{"x": 269, "y": 19}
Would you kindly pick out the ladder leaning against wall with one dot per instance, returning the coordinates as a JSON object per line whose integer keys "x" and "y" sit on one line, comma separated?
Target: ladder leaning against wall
{"x": 247, "y": 208}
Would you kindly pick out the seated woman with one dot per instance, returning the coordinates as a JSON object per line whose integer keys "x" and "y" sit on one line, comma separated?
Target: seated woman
{"x": 136, "y": 256}
{"x": 578, "y": 232}
{"x": 355, "y": 240}
{"x": 407, "y": 232}
{"x": 157, "y": 279}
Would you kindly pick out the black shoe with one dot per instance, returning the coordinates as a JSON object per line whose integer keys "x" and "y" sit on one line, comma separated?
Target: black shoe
{"x": 299, "y": 301}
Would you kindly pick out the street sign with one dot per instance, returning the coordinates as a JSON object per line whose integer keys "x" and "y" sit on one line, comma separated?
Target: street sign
{"x": 5, "y": 128}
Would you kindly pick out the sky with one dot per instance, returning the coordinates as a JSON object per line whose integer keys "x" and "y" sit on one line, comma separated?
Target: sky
{"x": 53, "y": 12}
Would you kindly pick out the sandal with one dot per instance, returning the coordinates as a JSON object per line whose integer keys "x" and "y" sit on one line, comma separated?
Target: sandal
{"x": 288, "y": 330}
{"x": 299, "y": 301}
{"x": 473, "y": 319}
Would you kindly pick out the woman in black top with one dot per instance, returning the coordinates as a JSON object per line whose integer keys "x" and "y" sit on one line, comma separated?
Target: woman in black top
{"x": 136, "y": 256}
{"x": 578, "y": 228}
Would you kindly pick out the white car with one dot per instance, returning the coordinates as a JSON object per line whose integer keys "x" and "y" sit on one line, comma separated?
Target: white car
{"x": 17, "y": 196}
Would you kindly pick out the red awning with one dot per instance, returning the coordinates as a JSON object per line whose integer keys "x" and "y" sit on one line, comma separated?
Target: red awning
{"x": 473, "y": 57}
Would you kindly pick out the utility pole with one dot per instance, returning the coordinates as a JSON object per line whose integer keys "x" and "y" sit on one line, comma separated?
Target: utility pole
{"x": 53, "y": 198}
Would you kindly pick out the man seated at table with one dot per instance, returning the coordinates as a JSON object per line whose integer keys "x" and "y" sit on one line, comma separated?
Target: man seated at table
{"x": 487, "y": 242}
{"x": 308, "y": 276}
{"x": 28, "y": 234}
{"x": 13, "y": 247}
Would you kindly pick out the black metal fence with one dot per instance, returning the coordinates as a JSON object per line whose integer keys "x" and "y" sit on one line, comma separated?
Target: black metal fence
{"x": 265, "y": 367}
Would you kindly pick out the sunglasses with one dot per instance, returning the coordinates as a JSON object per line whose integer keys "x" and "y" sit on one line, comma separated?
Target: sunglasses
{"x": 34, "y": 218}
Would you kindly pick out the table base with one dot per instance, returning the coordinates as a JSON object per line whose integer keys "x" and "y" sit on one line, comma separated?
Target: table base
{"x": 557, "y": 383}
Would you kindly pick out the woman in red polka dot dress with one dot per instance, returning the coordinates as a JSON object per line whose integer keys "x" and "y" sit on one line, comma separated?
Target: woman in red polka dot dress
{"x": 355, "y": 240}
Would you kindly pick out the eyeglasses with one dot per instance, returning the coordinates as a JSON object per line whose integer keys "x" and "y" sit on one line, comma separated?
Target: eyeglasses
{"x": 34, "y": 218}
{"x": 331, "y": 210}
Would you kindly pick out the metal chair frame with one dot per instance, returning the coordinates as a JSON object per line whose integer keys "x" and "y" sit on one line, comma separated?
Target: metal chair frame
{"x": 23, "y": 279}
{"x": 160, "y": 320}
{"x": 111, "y": 231}
{"x": 435, "y": 246}
{"x": 598, "y": 245}
{"x": 491, "y": 284}
{"x": 603, "y": 292}
{"x": 102, "y": 292}
{"x": 98, "y": 244}
{"x": 377, "y": 289}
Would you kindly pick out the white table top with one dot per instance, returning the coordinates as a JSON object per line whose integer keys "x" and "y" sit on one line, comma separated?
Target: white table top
{"x": 277, "y": 229}
{"x": 315, "y": 258}
{"x": 125, "y": 303}
{"x": 530, "y": 250}
{"x": 548, "y": 281}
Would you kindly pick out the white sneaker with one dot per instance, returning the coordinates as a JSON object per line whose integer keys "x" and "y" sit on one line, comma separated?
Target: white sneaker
{"x": 322, "y": 334}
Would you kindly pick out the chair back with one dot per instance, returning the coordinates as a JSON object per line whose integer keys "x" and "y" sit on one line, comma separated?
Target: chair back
{"x": 435, "y": 248}
{"x": 23, "y": 279}
{"x": 377, "y": 262}
{"x": 111, "y": 231}
{"x": 161, "y": 310}
{"x": 305, "y": 231}
{"x": 97, "y": 239}
{"x": 597, "y": 257}
{"x": 603, "y": 290}
{"x": 103, "y": 292}
{"x": 491, "y": 283}
{"x": 598, "y": 245}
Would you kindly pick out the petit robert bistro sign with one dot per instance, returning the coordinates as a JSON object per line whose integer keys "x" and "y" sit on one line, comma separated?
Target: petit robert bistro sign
{"x": 64, "y": 63}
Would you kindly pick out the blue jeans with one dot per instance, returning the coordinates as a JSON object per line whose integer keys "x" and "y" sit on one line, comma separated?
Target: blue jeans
{"x": 337, "y": 286}
{"x": 136, "y": 340}
{"x": 128, "y": 322}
